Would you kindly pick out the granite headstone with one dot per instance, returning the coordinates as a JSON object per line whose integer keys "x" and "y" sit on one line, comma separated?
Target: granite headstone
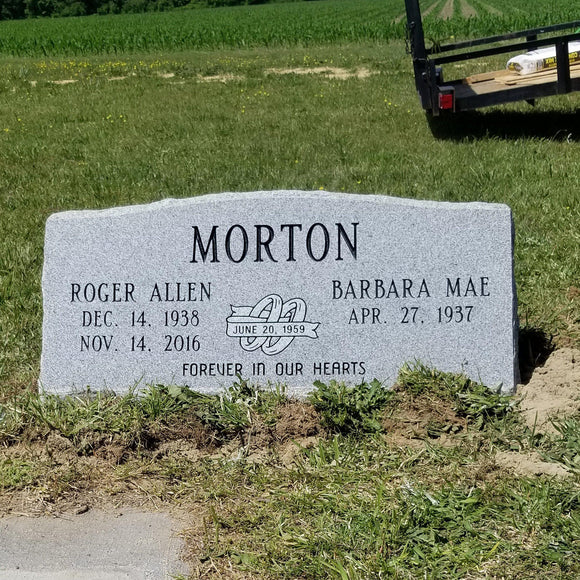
{"x": 278, "y": 287}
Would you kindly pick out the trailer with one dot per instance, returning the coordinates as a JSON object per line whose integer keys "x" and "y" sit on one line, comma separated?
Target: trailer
{"x": 438, "y": 96}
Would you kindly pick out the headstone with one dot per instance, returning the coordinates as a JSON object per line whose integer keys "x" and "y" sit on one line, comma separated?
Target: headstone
{"x": 278, "y": 287}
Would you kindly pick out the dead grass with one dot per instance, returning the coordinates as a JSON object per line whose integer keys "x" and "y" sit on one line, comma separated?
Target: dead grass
{"x": 328, "y": 72}
{"x": 99, "y": 466}
{"x": 422, "y": 418}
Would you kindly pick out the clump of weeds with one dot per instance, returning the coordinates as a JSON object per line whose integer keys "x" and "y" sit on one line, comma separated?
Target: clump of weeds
{"x": 346, "y": 409}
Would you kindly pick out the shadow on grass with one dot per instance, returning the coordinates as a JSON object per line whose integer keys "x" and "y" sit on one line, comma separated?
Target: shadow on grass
{"x": 552, "y": 125}
{"x": 535, "y": 346}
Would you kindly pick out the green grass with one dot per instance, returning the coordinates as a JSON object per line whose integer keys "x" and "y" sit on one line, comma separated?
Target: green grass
{"x": 339, "y": 526}
{"x": 72, "y": 417}
{"x": 566, "y": 446}
{"x": 16, "y": 473}
{"x": 238, "y": 408}
{"x": 468, "y": 398}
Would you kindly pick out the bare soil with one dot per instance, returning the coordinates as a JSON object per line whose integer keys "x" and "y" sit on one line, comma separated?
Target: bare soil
{"x": 96, "y": 461}
{"x": 324, "y": 71}
{"x": 329, "y": 72}
{"x": 529, "y": 464}
{"x": 223, "y": 78}
{"x": 447, "y": 10}
{"x": 467, "y": 10}
{"x": 553, "y": 390}
{"x": 417, "y": 419}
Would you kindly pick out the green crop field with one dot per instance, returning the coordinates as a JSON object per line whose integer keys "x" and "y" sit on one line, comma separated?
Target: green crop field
{"x": 108, "y": 111}
{"x": 302, "y": 23}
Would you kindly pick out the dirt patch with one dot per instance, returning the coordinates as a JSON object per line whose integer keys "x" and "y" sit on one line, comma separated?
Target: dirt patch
{"x": 185, "y": 431}
{"x": 447, "y": 10}
{"x": 553, "y": 390}
{"x": 467, "y": 11}
{"x": 491, "y": 9}
{"x": 529, "y": 464}
{"x": 98, "y": 468}
{"x": 225, "y": 78}
{"x": 289, "y": 452}
{"x": 416, "y": 419}
{"x": 64, "y": 82}
{"x": 297, "y": 420}
{"x": 185, "y": 426}
{"x": 329, "y": 72}
{"x": 296, "y": 425}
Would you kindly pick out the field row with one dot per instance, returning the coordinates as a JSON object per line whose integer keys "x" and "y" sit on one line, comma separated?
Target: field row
{"x": 287, "y": 24}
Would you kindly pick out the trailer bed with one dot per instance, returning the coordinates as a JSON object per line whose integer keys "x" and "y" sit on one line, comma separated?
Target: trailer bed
{"x": 507, "y": 86}
{"x": 492, "y": 88}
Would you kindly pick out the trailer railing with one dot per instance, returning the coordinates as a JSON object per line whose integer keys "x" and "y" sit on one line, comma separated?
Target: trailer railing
{"x": 437, "y": 96}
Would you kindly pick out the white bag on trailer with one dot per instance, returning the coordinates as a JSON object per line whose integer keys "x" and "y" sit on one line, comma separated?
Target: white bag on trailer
{"x": 541, "y": 59}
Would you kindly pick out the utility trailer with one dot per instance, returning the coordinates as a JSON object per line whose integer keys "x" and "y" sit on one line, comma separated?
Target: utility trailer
{"x": 482, "y": 90}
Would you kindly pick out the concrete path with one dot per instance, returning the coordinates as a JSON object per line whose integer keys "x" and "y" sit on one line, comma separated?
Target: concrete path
{"x": 92, "y": 546}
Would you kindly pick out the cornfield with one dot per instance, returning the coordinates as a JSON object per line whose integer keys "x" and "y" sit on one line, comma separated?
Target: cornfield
{"x": 286, "y": 24}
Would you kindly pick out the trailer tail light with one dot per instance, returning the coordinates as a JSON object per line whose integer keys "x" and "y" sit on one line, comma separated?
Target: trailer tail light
{"x": 446, "y": 99}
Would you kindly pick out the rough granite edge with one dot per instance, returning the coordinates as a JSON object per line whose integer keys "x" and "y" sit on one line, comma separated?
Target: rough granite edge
{"x": 213, "y": 198}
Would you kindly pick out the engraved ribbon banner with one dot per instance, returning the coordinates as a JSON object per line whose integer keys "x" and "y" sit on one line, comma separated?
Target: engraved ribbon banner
{"x": 271, "y": 325}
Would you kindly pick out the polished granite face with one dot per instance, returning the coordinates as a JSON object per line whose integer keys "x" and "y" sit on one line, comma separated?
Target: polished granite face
{"x": 277, "y": 287}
